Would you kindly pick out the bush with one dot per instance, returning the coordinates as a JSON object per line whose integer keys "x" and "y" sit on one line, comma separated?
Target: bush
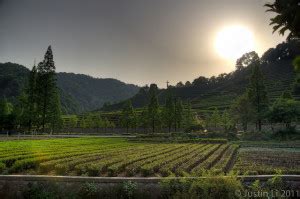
{"x": 210, "y": 187}
{"x": 89, "y": 190}
{"x": 37, "y": 191}
{"x": 285, "y": 134}
{"x": 2, "y": 167}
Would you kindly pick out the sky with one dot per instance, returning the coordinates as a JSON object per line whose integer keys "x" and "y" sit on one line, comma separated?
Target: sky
{"x": 135, "y": 41}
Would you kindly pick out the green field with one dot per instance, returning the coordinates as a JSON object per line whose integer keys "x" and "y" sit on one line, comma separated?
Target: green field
{"x": 119, "y": 157}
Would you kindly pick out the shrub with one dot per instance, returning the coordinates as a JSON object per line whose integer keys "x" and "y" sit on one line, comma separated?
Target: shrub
{"x": 37, "y": 191}
{"x": 2, "y": 167}
{"x": 286, "y": 134}
{"x": 89, "y": 190}
{"x": 210, "y": 187}
{"x": 129, "y": 189}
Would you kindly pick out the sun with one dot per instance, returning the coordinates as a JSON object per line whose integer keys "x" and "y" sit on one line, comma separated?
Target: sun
{"x": 233, "y": 41}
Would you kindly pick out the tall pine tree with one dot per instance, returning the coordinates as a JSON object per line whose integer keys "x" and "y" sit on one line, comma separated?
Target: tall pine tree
{"x": 153, "y": 107}
{"x": 258, "y": 95}
{"x": 48, "y": 97}
{"x": 30, "y": 113}
{"x": 127, "y": 118}
{"x": 188, "y": 115}
{"x": 178, "y": 115}
{"x": 168, "y": 112}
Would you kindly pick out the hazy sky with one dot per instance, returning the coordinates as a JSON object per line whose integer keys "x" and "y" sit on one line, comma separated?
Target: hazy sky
{"x": 136, "y": 41}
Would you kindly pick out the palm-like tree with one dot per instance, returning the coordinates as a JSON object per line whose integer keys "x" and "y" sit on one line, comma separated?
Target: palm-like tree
{"x": 287, "y": 18}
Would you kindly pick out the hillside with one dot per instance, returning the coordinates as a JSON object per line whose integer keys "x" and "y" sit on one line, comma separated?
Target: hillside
{"x": 78, "y": 92}
{"x": 207, "y": 93}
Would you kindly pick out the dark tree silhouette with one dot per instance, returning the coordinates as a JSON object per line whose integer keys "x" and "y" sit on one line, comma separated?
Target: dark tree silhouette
{"x": 287, "y": 18}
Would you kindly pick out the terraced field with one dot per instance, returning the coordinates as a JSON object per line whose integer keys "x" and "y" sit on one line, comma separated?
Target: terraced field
{"x": 119, "y": 157}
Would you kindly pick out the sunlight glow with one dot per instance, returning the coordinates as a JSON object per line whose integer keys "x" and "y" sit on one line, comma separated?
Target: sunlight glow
{"x": 233, "y": 41}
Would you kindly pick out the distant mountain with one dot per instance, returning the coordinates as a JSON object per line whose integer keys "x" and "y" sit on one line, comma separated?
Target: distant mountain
{"x": 79, "y": 93}
{"x": 207, "y": 93}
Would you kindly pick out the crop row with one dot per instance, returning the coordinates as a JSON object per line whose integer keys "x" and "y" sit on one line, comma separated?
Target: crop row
{"x": 261, "y": 161}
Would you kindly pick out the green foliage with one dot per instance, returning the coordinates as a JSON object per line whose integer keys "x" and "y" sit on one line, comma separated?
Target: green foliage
{"x": 211, "y": 187}
{"x": 248, "y": 59}
{"x": 7, "y": 115}
{"x": 287, "y": 18}
{"x": 70, "y": 121}
{"x": 285, "y": 110}
{"x": 226, "y": 121}
{"x": 178, "y": 115}
{"x": 48, "y": 103}
{"x": 242, "y": 110}
{"x": 214, "y": 119}
{"x": 2, "y": 167}
{"x": 257, "y": 94}
{"x": 129, "y": 189}
{"x": 30, "y": 103}
{"x": 168, "y": 112}
{"x": 128, "y": 118}
{"x": 143, "y": 120}
{"x": 6, "y": 108}
{"x": 296, "y": 64}
{"x": 39, "y": 191}
{"x": 189, "y": 117}
{"x": 89, "y": 190}
{"x": 153, "y": 107}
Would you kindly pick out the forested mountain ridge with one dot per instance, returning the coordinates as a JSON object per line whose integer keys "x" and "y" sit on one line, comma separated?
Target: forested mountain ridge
{"x": 78, "y": 92}
{"x": 219, "y": 92}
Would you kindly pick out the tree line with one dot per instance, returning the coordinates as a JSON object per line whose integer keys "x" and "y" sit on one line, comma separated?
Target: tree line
{"x": 253, "y": 106}
{"x": 171, "y": 116}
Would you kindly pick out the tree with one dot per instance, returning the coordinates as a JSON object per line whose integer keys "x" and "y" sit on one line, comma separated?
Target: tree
{"x": 127, "y": 115}
{"x": 48, "y": 102}
{"x": 70, "y": 121}
{"x": 188, "y": 84}
{"x": 247, "y": 60}
{"x": 107, "y": 124}
{"x": 296, "y": 64}
{"x": 200, "y": 81}
{"x": 226, "y": 121}
{"x": 287, "y": 18}
{"x": 179, "y": 85}
{"x": 188, "y": 116}
{"x": 19, "y": 112}
{"x": 98, "y": 122}
{"x": 6, "y": 108}
{"x": 7, "y": 118}
{"x": 285, "y": 110}
{"x": 30, "y": 115}
{"x": 215, "y": 118}
{"x": 242, "y": 110}
{"x": 178, "y": 115}
{"x": 55, "y": 119}
{"x": 144, "y": 119}
{"x": 257, "y": 95}
{"x": 168, "y": 112}
{"x": 153, "y": 107}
